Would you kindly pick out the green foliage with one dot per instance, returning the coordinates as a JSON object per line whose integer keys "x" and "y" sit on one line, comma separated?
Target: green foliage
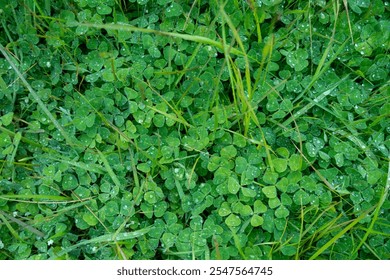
{"x": 206, "y": 130}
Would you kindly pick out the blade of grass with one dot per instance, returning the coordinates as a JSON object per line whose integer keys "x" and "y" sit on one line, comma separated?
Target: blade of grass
{"x": 244, "y": 94}
{"x": 27, "y": 140}
{"x": 383, "y": 198}
{"x": 37, "y": 98}
{"x": 110, "y": 172}
{"x": 345, "y": 2}
{"x": 339, "y": 235}
{"x": 71, "y": 207}
{"x": 237, "y": 244}
{"x": 170, "y": 116}
{"x": 302, "y": 216}
{"x": 10, "y": 228}
{"x": 311, "y": 103}
{"x": 243, "y": 52}
{"x": 322, "y": 66}
{"x": 111, "y": 237}
{"x": 132, "y": 28}
{"x": 23, "y": 224}
{"x": 52, "y": 198}
{"x": 95, "y": 168}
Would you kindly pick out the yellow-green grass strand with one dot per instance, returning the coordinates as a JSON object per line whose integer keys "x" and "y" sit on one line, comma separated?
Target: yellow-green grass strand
{"x": 226, "y": 52}
{"x": 178, "y": 117}
{"x": 383, "y": 198}
{"x": 10, "y": 228}
{"x": 91, "y": 167}
{"x": 10, "y": 160}
{"x": 75, "y": 205}
{"x": 320, "y": 233}
{"x": 266, "y": 52}
{"x": 322, "y": 66}
{"x": 311, "y": 103}
{"x": 237, "y": 244}
{"x": 348, "y": 20}
{"x": 170, "y": 116}
{"x": 186, "y": 67}
{"x": 36, "y": 197}
{"x": 110, "y": 172}
{"x": 302, "y": 215}
{"x": 3, "y": 85}
{"x": 179, "y": 189}
{"x": 141, "y": 190}
{"x": 369, "y": 248}
{"x": 353, "y": 136}
{"x": 187, "y": 37}
{"x": 106, "y": 238}
{"x": 387, "y": 235}
{"x": 134, "y": 168}
{"x": 239, "y": 91}
{"x": 36, "y": 97}
{"x": 241, "y": 45}
{"x": 246, "y": 106}
{"x": 339, "y": 235}
{"x": 257, "y": 20}
{"x": 317, "y": 219}
{"x": 23, "y": 224}
{"x": 195, "y": 52}
{"x": 328, "y": 228}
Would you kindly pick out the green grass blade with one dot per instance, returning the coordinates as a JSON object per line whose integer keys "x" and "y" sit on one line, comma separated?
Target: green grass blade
{"x": 132, "y": 28}
{"x": 95, "y": 168}
{"x": 383, "y": 198}
{"x": 23, "y": 224}
{"x": 36, "y": 97}
{"x": 36, "y": 197}
{"x": 339, "y": 235}
{"x": 107, "y": 238}
{"x": 109, "y": 169}
{"x": 311, "y": 103}
{"x": 10, "y": 228}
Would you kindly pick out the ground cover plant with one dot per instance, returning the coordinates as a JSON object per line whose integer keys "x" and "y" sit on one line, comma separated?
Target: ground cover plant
{"x": 174, "y": 129}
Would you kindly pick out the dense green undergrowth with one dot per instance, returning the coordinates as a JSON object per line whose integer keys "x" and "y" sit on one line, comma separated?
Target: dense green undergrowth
{"x": 194, "y": 129}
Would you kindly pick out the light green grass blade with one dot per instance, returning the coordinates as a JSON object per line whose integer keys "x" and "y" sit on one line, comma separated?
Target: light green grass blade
{"x": 107, "y": 238}
{"x": 132, "y": 28}
{"x": 339, "y": 235}
{"x": 27, "y": 140}
{"x": 383, "y": 198}
{"x": 71, "y": 207}
{"x": 311, "y": 103}
{"x": 91, "y": 167}
{"x": 36, "y": 97}
{"x": 323, "y": 66}
{"x": 170, "y": 116}
{"x": 36, "y": 197}
{"x": 10, "y": 228}
{"x": 109, "y": 169}
{"x": 22, "y": 224}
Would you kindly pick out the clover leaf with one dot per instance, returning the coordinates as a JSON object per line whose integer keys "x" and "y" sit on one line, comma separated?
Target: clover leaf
{"x": 233, "y": 185}
{"x": 233, "y": 220}
{"x": 280, "y": 164}
{"x": 297, "y": 59}
{"x": 69, "y": 182}
{"x": 269, "y": 191}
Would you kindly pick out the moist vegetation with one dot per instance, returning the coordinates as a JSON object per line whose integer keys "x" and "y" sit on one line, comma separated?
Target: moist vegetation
{"x": 175, "y": 129}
